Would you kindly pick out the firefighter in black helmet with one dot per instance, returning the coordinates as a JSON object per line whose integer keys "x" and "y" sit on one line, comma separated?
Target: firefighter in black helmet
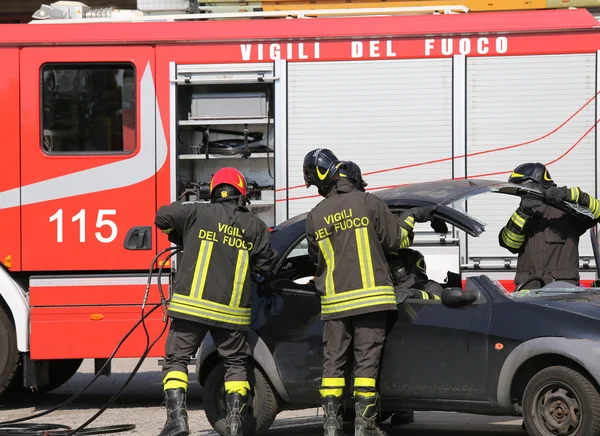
{"x": 409, "y": 271}
{"x": 349, "y": 233}
{"x": 222, "y": 242}
{"x": 546, "y": 238}
{"x": 353, "y": 173}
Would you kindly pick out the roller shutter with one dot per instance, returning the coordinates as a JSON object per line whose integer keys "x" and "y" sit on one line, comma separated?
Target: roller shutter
{"x": 542, "y": 105}
{"x": 380, "y": 114}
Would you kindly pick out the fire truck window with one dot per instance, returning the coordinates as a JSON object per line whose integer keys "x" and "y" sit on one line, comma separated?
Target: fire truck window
{"x": 88, "y": 109}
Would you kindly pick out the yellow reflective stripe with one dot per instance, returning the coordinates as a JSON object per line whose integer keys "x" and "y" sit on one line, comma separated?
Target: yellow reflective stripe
{"x": 410, "y": 221}
{"x": 575, "y": 192}
{"x": 211, "y": 305}
{"x": 360, "y": 303}
{"x": 404, "y": 241}
{"x": 240, "y": 387}
{"x": 435, "y": 297}
{"x": 364, "y": 257}
{"x": 518, "y": 220}
{"x": 364, "y": 382}
{"x": 509, "y": 242}
{"x": 425, "y": 295}
{"x": 200, "y": 309}
{"x": 241, "y": 268}
{"x": 358, "y": 293}
{"x": 201, "y": 268}
{"x": 175, "y": 380}
{"x": 167, "y": 231}
{"x": 364, "y": 394}
{"x": 514, "y": 236}
{"x": 337, "y": 382}
{"x": 331, "y": 392}
{"x": 594, "y": 207}
{"x": 328, "y": 255}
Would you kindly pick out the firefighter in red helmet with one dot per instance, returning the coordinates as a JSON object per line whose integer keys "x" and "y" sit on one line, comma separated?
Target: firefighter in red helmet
{"x": 545, "y": 238}
{"x": 349, "y": 233}
{"x": 222, "y": 242}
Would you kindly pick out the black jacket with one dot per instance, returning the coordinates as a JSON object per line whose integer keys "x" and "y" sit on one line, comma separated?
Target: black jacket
{"x": 349, "y": 233}
{"x": 547, "y": 244}
{"x": 222, "y": 243}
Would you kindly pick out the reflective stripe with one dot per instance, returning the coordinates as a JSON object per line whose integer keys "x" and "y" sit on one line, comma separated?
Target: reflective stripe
{"x": 509, "y": 242}
{"x": 594, "y": 207}
{"x": 364, "y": 382}
{"x": 328, "y": 255}
{"x": 337, "y": 382}
{"x": 241, "y": 268}
{"x": 175, "y": 380}
{"x": 364, "y": 257}
{"x": 518, "y": 220}
{"x": 240, "y": 387}
{"x": 364, "y": 394}
{"x": 436, "y": 297}
{"x": 331, "y": 392}
{"x": 167, "y": 231}
{"x": 201, "y": 268}
{"x": 410, "y": 221}
{"x": 371, "y": 299}
{"x": 210, "y": 310}
{"x": 575, "y": 193}
{"x": 514, "y": 236}
{"x": 359, "y": 293}
{"x": 404, "y": 241}
{"x": 425, "y": 295}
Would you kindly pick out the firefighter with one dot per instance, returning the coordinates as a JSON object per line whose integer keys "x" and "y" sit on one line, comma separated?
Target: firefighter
{"x": 348, "y": 233}
{"x": 545, "y": 238}
{"x": 409, "y": 271}
{"x": 352, "y": 172}
{"x": 222, "y": 241}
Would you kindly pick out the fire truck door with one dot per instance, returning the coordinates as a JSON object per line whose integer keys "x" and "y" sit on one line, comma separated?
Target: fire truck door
{"x": 88, "y": 158}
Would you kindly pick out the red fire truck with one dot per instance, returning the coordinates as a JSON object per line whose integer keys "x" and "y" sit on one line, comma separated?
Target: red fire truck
{"x": 106, "y": 119}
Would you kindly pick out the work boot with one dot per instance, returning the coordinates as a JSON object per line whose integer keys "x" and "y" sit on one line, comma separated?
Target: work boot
{"x": 177, "y": 417}
{"x": 367, "y": 412}
{"x": 333, "y": 422}
{"x": 236, "y": 408}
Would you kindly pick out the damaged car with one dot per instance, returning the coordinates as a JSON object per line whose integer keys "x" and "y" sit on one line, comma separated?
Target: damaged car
{"x": 478, "y": 349}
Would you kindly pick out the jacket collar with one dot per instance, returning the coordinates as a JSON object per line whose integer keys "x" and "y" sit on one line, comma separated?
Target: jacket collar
{"x": 342, "y": 186}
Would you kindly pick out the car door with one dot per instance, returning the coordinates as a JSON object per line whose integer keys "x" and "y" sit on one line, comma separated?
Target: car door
{"x": 88, "y": 158}
{"x": 437, "y": 353}
{"x": 289, "y": 322}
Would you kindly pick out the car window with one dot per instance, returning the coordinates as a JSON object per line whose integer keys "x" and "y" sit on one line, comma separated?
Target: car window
{"x": 300, "y": 249}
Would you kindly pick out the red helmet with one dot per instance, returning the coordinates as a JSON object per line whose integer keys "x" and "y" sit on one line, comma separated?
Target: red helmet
{"x": 229, "y": 176}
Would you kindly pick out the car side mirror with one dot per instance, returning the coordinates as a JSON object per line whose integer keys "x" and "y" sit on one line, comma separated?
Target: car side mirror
{"x": 456, "y": 297}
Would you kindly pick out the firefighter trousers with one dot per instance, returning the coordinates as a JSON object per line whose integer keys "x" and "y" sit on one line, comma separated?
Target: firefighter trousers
{"x": 369, "y": 332}
{"x": 183, "y": 341}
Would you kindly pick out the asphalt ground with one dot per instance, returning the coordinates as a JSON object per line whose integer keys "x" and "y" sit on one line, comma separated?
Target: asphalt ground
{"x": 141, "y": 404}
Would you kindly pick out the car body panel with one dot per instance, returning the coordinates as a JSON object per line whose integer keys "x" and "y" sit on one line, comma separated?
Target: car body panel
{"x": 435, "y": 357}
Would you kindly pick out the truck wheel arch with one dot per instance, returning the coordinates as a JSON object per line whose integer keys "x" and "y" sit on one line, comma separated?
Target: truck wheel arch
{"x": 583, "y": 353}
{"x": 259, "y": 352}
{"x": 15, "y": 297}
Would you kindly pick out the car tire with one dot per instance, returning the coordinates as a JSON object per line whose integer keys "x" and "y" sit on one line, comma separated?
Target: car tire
{"x": 262, "y": 401}
{"x": 561, "y": 399}
{"x": 9, "y": 354}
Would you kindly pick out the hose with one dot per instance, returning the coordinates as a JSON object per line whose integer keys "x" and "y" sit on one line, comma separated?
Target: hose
{"x": 16, "y": 428}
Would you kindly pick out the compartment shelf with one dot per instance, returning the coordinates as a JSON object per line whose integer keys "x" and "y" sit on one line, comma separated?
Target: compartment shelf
{"x": 223, "y": 121}
{"x": 219, "y": 156}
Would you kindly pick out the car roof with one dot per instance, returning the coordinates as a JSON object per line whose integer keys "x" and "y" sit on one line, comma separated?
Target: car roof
{"x": 444, "y": 192}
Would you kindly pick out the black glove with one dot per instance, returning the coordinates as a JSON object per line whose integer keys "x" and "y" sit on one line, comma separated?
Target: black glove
{"x": 528, "y": 203}
{"x": 556, "y": 195}
{"x": 439, "y": 226}
{"x": 175, "y": 238}
{"x": 422, "y": 214}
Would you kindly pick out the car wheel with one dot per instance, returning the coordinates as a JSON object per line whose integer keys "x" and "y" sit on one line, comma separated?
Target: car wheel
{"x": 263, "y": 404}
{"x": 561, "y": 401}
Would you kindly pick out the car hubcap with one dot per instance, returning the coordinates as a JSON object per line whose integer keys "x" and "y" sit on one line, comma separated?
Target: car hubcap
{"x": 558, "y": 410}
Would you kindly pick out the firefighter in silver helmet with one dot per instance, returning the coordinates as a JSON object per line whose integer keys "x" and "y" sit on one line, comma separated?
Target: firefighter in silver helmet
{"x": 222, "y": 242}
{"x": 349, "y": 233}
{"x": 545, "y": 238}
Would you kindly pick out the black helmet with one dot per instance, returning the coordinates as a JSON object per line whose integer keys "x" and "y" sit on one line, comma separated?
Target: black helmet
{"x": 535, "y": 173}
{"x": 320, "y": 167}
{"x": 406, "y": 265}
{"x": 352, "y": 172}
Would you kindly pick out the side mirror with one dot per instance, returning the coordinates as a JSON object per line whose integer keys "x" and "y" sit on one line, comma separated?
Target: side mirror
{"x": 456, "y": 297}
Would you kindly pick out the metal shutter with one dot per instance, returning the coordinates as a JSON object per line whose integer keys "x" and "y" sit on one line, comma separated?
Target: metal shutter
{"x": 380, "y": 114}
{"x": 512, "y": 100}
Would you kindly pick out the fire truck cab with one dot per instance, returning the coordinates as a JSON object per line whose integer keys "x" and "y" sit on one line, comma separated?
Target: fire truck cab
{"x": 108, "y": 115}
